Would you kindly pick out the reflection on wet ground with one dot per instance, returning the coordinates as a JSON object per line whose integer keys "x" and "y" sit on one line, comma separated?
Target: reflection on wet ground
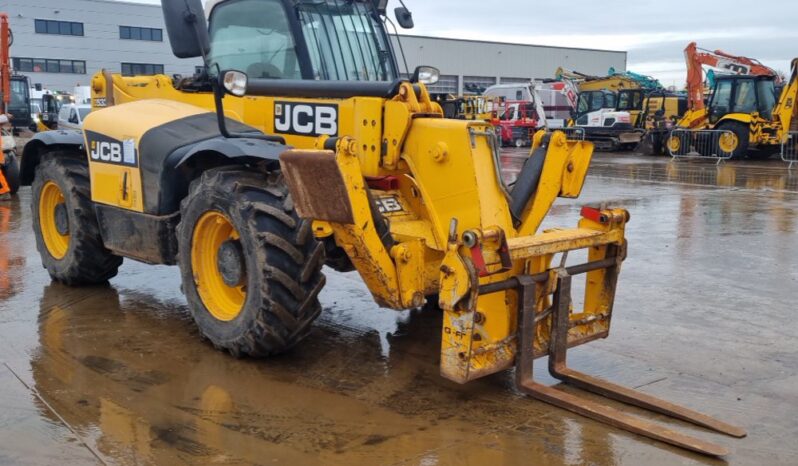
{"x": 704, "y": 317}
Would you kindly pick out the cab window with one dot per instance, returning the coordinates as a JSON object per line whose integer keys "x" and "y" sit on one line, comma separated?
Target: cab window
{"x": 609, "y": 101}
{"x": 721, "y": 99}
{"x": 584, "y": 104}
{"x": 745, "y": 96}
{"x": 261, "y": 45}
{"x": 597, "y": 101}
{"x": 766, "y": 92}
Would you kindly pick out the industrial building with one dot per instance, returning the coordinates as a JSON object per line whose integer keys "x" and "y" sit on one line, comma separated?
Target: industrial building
{"x": 62, "y": 43}
{"x": 498, "y": 62}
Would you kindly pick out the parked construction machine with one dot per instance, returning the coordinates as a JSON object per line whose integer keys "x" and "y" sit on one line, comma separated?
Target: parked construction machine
{"x": 15, "y": 111}
{"x": 306, "y": 144}
{"x": 744, "y": 114}
{"x": 653, "y": 111}
{"x": 595, "y": 110}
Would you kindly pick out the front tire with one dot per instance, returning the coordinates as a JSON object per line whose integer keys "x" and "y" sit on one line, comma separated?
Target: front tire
{"x": 251, "y": 268}
{"x": 67, "y": 233}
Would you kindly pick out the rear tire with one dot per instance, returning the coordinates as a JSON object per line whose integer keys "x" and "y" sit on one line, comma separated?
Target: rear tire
{"x": 742, "y": 133}
{"x": 279, "y": 262}
{"x": 679, "y": 144}
{"x": 11, "y": 172}
{"x": 79, "y": 257}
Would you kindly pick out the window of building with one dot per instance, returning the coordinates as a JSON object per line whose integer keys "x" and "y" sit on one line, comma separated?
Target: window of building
{"x": 47, "y": 65}
{"x": 141, "y": 69}
{"x": 137, "y": 33}
{"x": 63, "y": 28}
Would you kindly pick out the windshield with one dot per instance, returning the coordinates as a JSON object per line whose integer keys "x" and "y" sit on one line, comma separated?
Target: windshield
{"x": 609, "y": 100}
{"x": 19, "y": 94}
{"x": 83, "y": 111}
{"x": 254, "y": 36}
{"x": 629, "y": 100}
{"x": 345, "y": 41}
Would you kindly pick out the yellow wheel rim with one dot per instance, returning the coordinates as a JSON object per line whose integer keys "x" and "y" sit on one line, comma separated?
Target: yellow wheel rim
{"x": 49, "y": 199}
{"x": 674, "y": 144}
{"x": 224, "y": 302}
{"x": 728, "y": 142}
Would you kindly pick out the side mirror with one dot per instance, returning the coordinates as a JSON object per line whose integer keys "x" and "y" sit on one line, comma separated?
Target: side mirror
{"x": 186, "y": 27}
{"x": 404, "y": 17}
{"x": 426, "y": 75}
{"x": 234, "y": 82}
{"x": 38, "y": 86}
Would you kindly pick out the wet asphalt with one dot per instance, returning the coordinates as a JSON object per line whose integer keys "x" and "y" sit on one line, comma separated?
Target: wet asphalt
{"x": 705, "y": 316}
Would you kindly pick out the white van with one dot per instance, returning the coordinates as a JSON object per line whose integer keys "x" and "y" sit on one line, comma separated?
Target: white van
{"x": 71, "y": 116}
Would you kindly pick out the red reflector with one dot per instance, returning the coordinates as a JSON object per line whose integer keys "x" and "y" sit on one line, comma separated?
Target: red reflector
{"x": 383, "y": 183}
{"x": 594, "y": 214}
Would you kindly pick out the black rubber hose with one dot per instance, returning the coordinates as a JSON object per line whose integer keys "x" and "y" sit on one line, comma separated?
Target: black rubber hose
{"x": 528, "y": 181}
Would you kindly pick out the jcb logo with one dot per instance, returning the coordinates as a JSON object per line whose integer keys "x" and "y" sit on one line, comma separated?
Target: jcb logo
{"x": 106, "y": 151}
{"x": 305, "y": 119}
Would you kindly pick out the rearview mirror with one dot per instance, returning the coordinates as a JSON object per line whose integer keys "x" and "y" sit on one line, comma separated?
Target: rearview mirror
{"x": 186, "y": 27}
{"x": 404, "y": 17}
{"x": 426, "y": 75}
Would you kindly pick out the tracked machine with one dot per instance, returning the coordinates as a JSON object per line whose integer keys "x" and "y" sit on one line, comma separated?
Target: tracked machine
{"x": 309, "y": 149}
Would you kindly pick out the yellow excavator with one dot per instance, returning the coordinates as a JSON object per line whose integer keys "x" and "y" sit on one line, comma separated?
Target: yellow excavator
{"x": 304, "y": 146}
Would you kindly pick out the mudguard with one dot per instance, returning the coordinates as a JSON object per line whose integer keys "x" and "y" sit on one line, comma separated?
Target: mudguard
{"x": 236, "y": 148}
{"x": 43, "y": 142}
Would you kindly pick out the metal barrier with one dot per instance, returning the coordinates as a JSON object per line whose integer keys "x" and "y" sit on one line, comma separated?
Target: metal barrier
{"x": 789, "y": 148}
{"x": 705, "y": 143}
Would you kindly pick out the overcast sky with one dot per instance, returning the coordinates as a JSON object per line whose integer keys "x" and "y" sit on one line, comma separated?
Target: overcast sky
{"x": 653, "y": 32}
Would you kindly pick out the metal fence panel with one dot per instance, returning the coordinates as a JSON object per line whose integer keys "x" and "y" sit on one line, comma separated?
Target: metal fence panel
{"x": 789, "y": 148}
{"x": 705, "y": 143}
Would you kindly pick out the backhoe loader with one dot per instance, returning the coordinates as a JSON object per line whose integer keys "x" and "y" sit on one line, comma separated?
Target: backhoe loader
{"x": 304, "y": 144}
{"x": 744, "y": 109}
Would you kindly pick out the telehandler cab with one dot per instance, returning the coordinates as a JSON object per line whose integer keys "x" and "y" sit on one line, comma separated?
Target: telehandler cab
{"x": 339, "y": 158}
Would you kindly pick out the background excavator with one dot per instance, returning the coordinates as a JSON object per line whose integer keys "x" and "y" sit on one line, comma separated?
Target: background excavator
{"x": 15, "y": 106}
{"x": 652, "y": 110}
{"x": 744, "y": 105}
{"x": 595, "y": 109}
{"x": 255, "y": 172}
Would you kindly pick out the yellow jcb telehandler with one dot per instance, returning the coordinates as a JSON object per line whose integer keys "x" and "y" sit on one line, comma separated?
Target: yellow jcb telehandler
{"x": 304, "y": 143}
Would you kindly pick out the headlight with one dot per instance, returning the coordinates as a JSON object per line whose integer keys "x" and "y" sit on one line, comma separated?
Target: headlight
{"x": 235, "y": 82}
{"x": 426, "y": 75}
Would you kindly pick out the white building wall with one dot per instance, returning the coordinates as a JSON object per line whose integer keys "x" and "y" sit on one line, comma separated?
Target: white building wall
{"x": 468, "y": 59}
{"x": 100, "y": 47}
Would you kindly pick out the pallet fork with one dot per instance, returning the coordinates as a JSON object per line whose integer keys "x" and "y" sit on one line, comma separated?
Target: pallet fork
{"x": 529, "y": 289}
